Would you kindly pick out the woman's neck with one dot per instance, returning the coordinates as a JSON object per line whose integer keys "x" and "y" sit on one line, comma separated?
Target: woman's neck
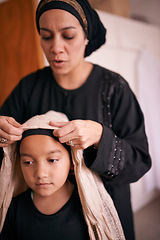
{"x": 76, "y": 78}
{"x": 51, "y": 204}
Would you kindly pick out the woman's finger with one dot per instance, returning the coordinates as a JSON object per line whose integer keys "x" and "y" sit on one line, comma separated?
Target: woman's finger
{"x": 4, "y": 142}
{"x": 81, "y": 133}
{"x": 10, "y": 131}
{"x": 14, "y": 128}
{"x": 13, "y": 122}
{"x": 10, "y": 126}
{"x": 58, "y": 124}
{"x": 64, "y": 128}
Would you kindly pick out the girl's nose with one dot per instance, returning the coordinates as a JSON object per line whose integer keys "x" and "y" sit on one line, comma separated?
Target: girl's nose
{"x": 41, "y": 171}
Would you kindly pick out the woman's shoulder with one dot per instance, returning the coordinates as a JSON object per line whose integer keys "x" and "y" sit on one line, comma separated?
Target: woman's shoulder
{"x": 33, "y": 80}
{"x": 111, "y": 82}
{"x": 38, "y": 74}
{"x": 110, "y": 76}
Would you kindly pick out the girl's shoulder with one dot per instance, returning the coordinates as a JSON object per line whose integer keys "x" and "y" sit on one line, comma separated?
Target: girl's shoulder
{"x": 21, "y": 198}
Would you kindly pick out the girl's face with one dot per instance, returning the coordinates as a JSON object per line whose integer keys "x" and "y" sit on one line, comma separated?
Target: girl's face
{"x": 45, "y": 164}
{"x": 63, "y": 40}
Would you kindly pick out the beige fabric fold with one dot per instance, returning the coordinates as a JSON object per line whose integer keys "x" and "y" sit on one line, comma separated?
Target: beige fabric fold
{"x": 98, "y": 208}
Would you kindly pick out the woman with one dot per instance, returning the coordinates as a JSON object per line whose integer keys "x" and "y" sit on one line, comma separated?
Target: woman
{"x": 105, "y": 118}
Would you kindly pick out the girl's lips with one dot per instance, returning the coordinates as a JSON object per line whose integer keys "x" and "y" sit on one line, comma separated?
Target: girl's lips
{"x": 43, "y": 185}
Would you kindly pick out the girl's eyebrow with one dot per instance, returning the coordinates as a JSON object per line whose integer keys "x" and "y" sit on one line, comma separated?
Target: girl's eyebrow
{"x": 25, "y": 155}
{"x": 48, "y": 153}
{"x": 54, "y": 151}
{"x": 62, "y": 29}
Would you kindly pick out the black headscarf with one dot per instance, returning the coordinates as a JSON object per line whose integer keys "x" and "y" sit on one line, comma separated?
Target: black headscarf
{"x": 48, "y": 132}
{"x": 86, "y": 15}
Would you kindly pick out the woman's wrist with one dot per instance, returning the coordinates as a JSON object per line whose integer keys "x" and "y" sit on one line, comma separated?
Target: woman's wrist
{"x": 99, "y": 136}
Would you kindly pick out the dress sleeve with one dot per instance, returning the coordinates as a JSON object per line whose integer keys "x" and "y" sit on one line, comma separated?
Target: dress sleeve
{"x": 12, "y": 108}
{"x": 122, "y": 156}
{"x": 15, "y": 104}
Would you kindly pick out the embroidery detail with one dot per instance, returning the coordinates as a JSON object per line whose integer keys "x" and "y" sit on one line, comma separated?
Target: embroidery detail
{"x": 116, "y": 161}
{"x": 75, "y": 5}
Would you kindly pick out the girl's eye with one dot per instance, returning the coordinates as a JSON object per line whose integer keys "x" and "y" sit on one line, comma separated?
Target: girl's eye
{"x": 27, "y": 163}
{"x": 53, "y": 160}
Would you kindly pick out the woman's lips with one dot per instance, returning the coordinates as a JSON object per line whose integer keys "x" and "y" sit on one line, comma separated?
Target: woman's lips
{"x": 58, "y": 64}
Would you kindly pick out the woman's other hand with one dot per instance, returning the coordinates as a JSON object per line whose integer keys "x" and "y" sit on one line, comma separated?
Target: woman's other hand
{"x": 10, "y": 131}
{"x": 78, "y": 133}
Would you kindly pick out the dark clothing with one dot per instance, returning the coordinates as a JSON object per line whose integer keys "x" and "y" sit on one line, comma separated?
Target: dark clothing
{"x": 122, "y": 156}
{"x": 25, "y": 222}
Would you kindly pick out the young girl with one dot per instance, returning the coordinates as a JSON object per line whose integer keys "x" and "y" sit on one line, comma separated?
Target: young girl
{"x": 50, "y": 208}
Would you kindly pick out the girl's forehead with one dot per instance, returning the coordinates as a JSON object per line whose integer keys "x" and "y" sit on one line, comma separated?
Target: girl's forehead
{"x": 42, "y": 143}
{"x": 32, "y": 139}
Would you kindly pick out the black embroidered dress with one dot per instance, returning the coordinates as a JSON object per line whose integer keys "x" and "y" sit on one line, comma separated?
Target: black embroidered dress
{"x": 122, "y": 157}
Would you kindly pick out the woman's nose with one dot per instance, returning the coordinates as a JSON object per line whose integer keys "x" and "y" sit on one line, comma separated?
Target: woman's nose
{"x": 57, "y": 46}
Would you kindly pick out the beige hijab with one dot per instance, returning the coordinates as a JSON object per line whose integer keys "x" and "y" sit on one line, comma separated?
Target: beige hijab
{"x": 98, "y": 208}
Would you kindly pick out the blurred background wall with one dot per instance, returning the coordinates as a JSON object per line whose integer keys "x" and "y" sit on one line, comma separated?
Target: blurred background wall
{"x": 20, "y": 51}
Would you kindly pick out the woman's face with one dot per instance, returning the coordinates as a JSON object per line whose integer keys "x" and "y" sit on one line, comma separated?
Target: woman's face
{"x": 63, "y": 40}
{"x": 45, "y": 164}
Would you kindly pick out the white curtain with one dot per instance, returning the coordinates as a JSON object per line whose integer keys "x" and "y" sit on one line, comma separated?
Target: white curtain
{"x": 148, "y": 94}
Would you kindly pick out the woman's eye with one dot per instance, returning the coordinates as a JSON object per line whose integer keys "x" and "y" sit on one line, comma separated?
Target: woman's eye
{"x": 69, "y": 37}
{"x": 46, "y": 37}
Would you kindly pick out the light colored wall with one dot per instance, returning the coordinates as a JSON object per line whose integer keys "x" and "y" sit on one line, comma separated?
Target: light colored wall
{"x": 118, "y": 7}
{"x": 150, "y": 9}
{"x": 125, "y": 40}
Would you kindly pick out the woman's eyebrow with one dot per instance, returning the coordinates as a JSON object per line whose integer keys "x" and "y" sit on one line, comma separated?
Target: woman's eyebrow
{"x": 62, "y": 29}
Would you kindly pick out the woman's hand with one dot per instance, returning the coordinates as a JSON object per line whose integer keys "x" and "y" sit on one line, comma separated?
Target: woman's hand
{"x": 10, "y": 131}
{"x": 78, "y": 133}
